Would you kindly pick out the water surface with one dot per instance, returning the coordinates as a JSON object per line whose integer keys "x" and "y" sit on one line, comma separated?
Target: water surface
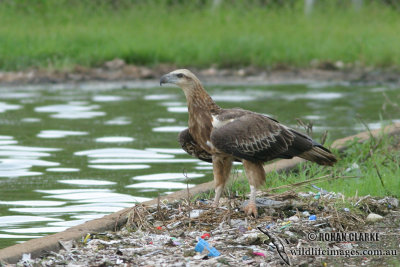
{"x": 69, "y": 154}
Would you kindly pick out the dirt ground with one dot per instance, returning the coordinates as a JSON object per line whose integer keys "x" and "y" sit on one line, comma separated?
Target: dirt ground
{"x": 118, "y": 70}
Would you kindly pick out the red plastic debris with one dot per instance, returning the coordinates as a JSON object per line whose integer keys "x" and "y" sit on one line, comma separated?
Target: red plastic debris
{"x": 259, "y": 254}
{"x": 206, "y": 235}
{"x": 159, "y": 228}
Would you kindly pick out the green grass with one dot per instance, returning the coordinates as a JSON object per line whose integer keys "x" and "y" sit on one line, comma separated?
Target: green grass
{"x": 62, "y": 34}
{"x": 383, "y": 159}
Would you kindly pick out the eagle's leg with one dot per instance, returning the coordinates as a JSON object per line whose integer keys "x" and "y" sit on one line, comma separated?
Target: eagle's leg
{"x": 256, "y": 175}
{"x": 221, "y": 169}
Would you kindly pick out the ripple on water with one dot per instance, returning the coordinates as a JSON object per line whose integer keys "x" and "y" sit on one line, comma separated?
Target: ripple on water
{"x": 17, "y": 95}
{"x": 107, "y": 98}
{"x": 159, "y": 97}
{"x": 4, "y": 107}
{"x": 18, "y": 173}
{"x": 169, "y": 129}
{"x": 18, "y": 167}
{"x": 62, "y": 170}
{"x": 167, "y": 150}
{"x": 161, "y": 185}
{"x": 27, "y": 161}
{"x": 314, "y": 96}
{"x": 121, "y": 152}
{"x": 101, "y": 207}
{"x": 167, "y": 176}
{"x": 59, "y": 133}
{"x": 13, "y": 153}
{"x": 92, "y": 196}
{"x": 6, "y": 236}
{"x": 179, "y": 109}
{"x": 22, "y": 219}
{"x": 30, "y": 148}
{"x": 35, "y": 230}
{"x": 119, "y": 121}
{"x": 233, "y": 98}
{"x": 166, "y": 120}
{"x": 86, "y": 182}
{"x": 124, "y": 160}
{"x": 33, "y": 203}
{"x": 30, "y": 120}
{"x": 120, "y": 167}
{"x": 114, "y": 139}
{"x": 7, "y": 140}
{"x": 73, "y": 110}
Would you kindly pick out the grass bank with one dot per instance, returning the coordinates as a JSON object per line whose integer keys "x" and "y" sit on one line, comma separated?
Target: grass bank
{"x": 62, "y": 34}
{"x": 369, "y": 168}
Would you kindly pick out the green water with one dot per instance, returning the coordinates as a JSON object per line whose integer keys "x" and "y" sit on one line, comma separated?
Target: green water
{"x": 69, "y": 154}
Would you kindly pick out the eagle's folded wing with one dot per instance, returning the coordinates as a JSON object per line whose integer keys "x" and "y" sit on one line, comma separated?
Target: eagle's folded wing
{"x": 256, "y": 137}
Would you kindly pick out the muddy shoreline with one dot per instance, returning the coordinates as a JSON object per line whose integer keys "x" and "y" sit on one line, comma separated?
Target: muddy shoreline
{"x": 118, "y": 70}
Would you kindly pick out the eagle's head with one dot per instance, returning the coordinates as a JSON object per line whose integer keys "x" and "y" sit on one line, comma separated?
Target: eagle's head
{"x": 183, "y": 78}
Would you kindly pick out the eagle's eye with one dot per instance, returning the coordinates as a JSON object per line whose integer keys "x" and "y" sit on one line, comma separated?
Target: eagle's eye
{"x": 179, "y": 75}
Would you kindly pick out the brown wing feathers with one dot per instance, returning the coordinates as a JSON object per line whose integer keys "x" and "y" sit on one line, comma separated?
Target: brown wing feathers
{"x": 192, "y": 148}
{"x": 256, "y": 138}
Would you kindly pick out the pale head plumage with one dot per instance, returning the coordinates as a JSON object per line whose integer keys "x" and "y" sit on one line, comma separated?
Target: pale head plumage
{"x": 182, "y": 77}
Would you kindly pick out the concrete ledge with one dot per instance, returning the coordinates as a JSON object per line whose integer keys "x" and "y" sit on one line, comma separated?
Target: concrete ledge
{"x": 37, "y": 247}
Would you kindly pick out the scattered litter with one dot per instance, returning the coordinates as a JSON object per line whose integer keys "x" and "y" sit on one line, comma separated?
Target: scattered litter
{"x": 259, "y": 254}
{"x": 86, "y": 239}
{"x": 264, "y": 202}
{"x": 353, "y": 166}
{"x": 318, "y": 195}
{"x": 205, "y": 236}
{"x": 306, "y": 214}
{"x": 202, "y": 244}
{"x": 195, "y": 213}
{"x": 269, "y": 226}
{"x": 286, "y": 225}
{"x": 323, "y": 191}
{"x": 26, "y": 259}
{"x": 166, "y": 235}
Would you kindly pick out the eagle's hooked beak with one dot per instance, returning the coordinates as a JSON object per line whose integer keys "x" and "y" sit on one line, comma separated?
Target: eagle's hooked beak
{"x": 168, "y": 78}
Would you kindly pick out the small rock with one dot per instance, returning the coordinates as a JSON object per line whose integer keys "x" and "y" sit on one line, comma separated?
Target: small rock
{"x": 339, "y": 64}
{"x": 114, "y": 64}
{"x": 373, "y": 217}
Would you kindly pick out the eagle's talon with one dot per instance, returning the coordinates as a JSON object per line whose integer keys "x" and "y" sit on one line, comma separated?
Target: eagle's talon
{"x": 251, "y": 209}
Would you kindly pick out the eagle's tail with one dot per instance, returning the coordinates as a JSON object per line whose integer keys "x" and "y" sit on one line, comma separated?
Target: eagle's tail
{"x": 320, "y": 155}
